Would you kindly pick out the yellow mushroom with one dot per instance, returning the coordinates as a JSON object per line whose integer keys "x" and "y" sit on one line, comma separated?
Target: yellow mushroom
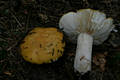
{"x": 42, "y": 45}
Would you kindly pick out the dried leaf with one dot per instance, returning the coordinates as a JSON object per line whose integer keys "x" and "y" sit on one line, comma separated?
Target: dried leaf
{"x": 43, "y": 16}
{"x": 71, "y": 54}
{"x": 8, "y": 73}
{"x": 99, "y": 60}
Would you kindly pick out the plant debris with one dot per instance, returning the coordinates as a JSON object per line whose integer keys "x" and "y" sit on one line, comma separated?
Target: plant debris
{"x": 100, "y": 60}
{"x": 8, "y": 73}
{"x": 18, "y": 17}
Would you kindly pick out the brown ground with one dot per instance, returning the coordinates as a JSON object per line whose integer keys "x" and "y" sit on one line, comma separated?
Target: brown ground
{"x": 17, "y": 17}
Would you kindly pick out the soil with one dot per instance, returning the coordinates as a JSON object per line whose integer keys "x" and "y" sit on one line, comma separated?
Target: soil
{"x": 18, "y": 17}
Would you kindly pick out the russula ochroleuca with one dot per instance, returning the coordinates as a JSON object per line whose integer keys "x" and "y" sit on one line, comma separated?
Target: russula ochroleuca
{"x": 88, "y": 27}
{"x": 42, "y": 45}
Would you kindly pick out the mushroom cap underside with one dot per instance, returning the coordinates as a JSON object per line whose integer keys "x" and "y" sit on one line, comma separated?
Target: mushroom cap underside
{"x": 87, "y": 21}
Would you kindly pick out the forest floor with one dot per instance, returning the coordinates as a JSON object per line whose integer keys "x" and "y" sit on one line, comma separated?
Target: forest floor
{"x": 18, "y": 17}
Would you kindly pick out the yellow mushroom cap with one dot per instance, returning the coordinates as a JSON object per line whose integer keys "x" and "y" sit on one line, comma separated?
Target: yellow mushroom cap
{"x": 42, "y": 45}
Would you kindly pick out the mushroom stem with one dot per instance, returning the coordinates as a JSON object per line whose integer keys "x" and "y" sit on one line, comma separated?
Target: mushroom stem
{"x": 82, "y": 62}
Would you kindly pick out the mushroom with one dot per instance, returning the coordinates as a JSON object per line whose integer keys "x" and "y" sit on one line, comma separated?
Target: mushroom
{"x": 42, "y": 45}
{"x": 88, "y": 27}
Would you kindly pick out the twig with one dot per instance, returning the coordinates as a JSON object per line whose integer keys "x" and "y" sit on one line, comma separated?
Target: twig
{"x": 1, "y": 61}
{"x": 48, "y": 2}
{"x": 16, "y": 19}
{"x": 12, "y": 46}
{"x": 3, "y": 24}
{"x": 1, "y": 39}
{"x": 28, "y": 19}
{"x": 101, "y": 78}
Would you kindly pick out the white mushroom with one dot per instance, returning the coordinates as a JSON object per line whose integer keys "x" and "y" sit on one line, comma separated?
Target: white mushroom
{"x": 87, "y": 26}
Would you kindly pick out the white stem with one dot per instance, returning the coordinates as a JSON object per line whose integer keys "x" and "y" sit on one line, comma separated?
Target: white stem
{"x": 82, "y": 62}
